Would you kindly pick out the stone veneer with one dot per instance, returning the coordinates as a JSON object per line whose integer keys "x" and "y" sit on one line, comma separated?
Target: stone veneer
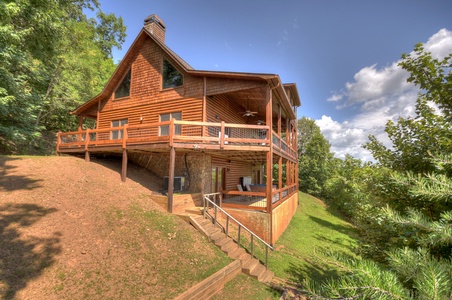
{"x": 195, "y": 167}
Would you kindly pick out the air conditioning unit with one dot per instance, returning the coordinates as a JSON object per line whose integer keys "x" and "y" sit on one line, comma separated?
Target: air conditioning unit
{"x": 178, "y": 184}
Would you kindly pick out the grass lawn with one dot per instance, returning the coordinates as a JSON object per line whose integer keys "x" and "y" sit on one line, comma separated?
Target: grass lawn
{"x": 298, "y": 254}
{"x": 314, "y": 227}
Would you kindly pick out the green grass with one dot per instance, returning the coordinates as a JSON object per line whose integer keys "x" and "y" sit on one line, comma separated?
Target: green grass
{"x": 245, "y": 287}
{"x": 299, "y": 252}
{"x": 314, "y": 228}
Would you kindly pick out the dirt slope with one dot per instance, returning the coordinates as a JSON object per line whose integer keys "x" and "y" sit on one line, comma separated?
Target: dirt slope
{"x": 73, "y": 230}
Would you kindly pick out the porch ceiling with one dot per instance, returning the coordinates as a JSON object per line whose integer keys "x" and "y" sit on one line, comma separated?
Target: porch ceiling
{"x": 255, "y": 100}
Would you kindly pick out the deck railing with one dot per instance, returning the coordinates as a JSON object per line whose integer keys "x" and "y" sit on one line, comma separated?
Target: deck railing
{"x": 281, "y": 145}
{"x": 174, "y": 132}
{"x": 212, "y": 210}
{"x": 257, "y": 200}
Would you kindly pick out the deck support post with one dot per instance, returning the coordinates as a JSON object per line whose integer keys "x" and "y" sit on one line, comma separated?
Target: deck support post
{"x": 87, "y": 158}
{"x": 172, "y": 163}
{"x": 124, "y": 165}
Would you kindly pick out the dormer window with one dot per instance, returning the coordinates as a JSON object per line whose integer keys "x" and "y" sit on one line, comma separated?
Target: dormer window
{"x": 171, "y": 76}
{"x": 123, "y": 89}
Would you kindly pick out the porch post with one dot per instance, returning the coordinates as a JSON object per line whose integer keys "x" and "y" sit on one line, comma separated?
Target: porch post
{"x": 80, "y": 123}
{"x": 124, "y": 165}
{"x": 204, "y": 107}
{"x": 269, "y": 160}
{"x": 172, "y": 164}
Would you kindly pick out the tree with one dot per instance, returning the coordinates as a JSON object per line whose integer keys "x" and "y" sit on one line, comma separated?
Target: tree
{"x": 52, "y": 58}
{"x": 314, "y": 157}
{"x": 416, "y": 221}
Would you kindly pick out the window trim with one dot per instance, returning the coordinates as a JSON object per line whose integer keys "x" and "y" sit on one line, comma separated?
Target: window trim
{"x": 177, "y": 128}
{"x": 163, "y": 75}
{"x": 118, "y": 134}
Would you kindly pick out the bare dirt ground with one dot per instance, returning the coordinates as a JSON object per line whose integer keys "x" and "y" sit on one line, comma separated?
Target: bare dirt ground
{"x": 72, "y": 230}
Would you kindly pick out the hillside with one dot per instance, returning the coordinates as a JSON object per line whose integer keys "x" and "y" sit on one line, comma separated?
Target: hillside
{"x": 70, "y": 229}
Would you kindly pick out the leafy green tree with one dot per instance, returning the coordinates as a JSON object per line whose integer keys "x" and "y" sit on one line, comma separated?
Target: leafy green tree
{"x": 314, "y": 157}
{"x": 52, "y": 59}
{"x": 412, "y": 208}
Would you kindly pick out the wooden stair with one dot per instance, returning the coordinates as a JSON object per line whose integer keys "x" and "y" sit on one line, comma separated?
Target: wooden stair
{"x": 250, "y": 265}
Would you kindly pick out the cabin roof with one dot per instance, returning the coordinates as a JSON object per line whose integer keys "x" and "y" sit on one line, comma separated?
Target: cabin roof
{"x": 124, "y": 65}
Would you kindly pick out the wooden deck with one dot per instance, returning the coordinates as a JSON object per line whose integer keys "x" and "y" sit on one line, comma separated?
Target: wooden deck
{"x": 190, "y": 136}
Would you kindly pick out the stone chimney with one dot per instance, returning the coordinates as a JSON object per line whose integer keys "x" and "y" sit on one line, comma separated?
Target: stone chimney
{"x": 156, "y": 27}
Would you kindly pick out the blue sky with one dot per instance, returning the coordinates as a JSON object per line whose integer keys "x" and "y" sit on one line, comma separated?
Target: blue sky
{"x": 342, "y": 54}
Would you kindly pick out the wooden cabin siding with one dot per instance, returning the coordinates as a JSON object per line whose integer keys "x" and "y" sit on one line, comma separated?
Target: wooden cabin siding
{"x": 191, "y": 109}
{"x": 147, "y": 100}
{"x": 282, "y": 215}
{"x": 227, "y": 111}
{"x": 237, "y": 169}
{"x": 220, "y": 85}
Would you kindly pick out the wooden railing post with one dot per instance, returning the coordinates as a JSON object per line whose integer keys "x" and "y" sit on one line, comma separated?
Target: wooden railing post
{"x": 124, "y": 137}
{"x": 87, "y": 158}
{"x": 171, "y": 132}
{"x": 58, "y": 142}
{"x": 222, "y": 135}
{"x": 124, "y": 165}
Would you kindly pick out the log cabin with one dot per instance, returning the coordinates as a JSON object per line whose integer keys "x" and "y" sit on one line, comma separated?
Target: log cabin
{"x": 202, "y": 132}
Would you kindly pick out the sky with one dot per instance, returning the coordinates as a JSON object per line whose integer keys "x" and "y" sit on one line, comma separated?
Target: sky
{"x": 342, "y": 54}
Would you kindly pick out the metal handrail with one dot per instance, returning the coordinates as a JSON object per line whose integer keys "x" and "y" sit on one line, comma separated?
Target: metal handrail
{"x": 240, "y": 225}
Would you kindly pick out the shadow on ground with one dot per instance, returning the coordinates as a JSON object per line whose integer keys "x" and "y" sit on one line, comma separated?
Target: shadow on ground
{"x": 135, "y": 172}
{"x": 23, "y": 256}
{"x": 10, "y": 182}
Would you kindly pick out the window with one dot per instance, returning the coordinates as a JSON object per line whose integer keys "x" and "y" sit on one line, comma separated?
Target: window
{"x": 171, "y": 76}
{"x": 123, "y": 89}
{"x": 118, "y": 134}
{"x": 164, "y": 130}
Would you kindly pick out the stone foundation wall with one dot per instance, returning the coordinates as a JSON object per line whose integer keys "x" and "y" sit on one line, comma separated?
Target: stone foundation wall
{"x": 196, "y": 168}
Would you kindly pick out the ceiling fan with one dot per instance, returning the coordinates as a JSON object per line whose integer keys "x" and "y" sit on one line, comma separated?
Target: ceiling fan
{"x": 248, "y": 112}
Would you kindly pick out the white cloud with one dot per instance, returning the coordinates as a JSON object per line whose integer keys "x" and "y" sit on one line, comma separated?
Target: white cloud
{"x": 381, "y": 94}
{"x": 335, "y": 98}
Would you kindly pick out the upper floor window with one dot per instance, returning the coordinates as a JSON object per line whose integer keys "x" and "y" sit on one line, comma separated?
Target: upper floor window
{"x": 118, "y": 134}
{"x": 171, "y": 76}
{"x": 123, "y": 89}
{"x": 164, "y": 129}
